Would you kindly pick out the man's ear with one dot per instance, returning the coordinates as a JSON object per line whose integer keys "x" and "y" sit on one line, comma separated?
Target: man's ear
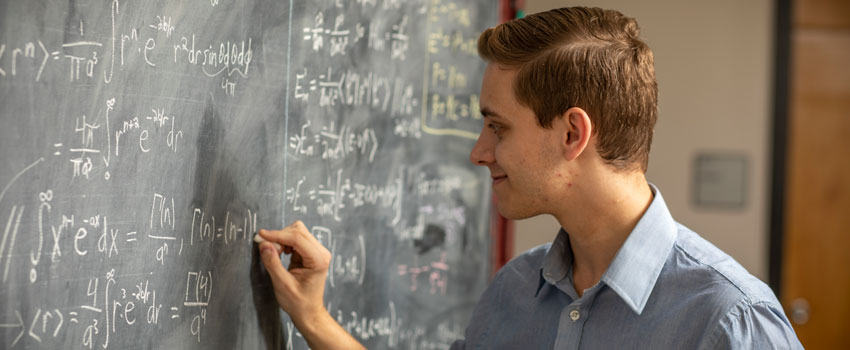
{"x": 576, "y": 132}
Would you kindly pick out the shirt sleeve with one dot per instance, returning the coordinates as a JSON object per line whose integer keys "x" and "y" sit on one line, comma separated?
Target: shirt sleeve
{"x": 459, "y": 344}
{"x": 482, "y": 317}
{"x": 759, "y": 325}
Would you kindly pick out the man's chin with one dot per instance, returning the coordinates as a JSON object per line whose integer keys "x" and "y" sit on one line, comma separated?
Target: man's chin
{"x": 513, "y": 213}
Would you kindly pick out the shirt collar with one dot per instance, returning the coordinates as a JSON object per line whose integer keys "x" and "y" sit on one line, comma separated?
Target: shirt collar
{"x": 556, "y": 262}
{"x": 638, "y": 263}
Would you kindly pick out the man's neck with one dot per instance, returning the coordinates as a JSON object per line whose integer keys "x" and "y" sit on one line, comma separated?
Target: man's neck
{"x": 603, "y": 213}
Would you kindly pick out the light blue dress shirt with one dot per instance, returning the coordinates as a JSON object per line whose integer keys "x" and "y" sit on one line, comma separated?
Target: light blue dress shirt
{"x": 667, "y": 288}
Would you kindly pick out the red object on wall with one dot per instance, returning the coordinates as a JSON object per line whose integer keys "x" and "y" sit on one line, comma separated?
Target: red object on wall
{"x": 508, "y": 9}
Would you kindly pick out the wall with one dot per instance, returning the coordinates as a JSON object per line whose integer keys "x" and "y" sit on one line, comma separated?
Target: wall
{"x": 713, "y": 63}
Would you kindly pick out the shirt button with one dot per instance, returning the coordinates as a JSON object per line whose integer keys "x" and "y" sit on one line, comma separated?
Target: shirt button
{"x": 575, "y": 315}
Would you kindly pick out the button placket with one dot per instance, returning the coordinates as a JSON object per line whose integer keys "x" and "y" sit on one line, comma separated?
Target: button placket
{"x": 570, "y": 327}
{"x": 575, "y": 315}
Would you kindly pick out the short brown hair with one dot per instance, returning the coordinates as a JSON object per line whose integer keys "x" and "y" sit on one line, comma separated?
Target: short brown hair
{"x": 589, "y": 58}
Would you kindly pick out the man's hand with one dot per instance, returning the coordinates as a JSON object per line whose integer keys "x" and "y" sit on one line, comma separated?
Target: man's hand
{"x": 300, "y": 290}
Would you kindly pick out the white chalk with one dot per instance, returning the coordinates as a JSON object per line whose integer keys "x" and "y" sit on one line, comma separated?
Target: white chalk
{"x": 259, "y": 239}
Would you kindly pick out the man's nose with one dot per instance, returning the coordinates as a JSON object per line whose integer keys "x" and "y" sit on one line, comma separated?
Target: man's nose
{"x": 482, "y": 152}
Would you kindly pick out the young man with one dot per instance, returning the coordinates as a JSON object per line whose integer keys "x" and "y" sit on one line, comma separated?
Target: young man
{"x": 569, "y": 103}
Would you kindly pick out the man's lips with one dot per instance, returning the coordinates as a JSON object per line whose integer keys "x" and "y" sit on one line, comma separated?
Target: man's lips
{"x": 498, "y": 179}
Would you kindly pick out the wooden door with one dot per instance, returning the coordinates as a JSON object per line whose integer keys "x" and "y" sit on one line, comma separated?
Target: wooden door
{"x": 816, "y": 269}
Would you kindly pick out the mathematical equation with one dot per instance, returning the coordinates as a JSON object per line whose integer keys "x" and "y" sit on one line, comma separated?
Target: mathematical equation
{"x": 333, "y": 144}
{"x": 450, "y": 108}
{"x": 336, "y": 38}
{"x": 115, "y": 305}
{"x": 339, "y": 194}
{"x": 89, "y": 59}
{"x": 350, "y": 88}
{"x": 97, "y": 141}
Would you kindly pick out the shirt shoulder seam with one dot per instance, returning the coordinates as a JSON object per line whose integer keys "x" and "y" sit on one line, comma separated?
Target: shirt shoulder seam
{"x": 746, "y": 296}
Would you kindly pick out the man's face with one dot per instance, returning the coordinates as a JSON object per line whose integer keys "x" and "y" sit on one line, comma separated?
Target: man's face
{"x": 522, "y": 156}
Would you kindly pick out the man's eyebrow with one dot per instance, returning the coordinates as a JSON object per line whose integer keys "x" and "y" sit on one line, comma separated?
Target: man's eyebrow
{"x": 488, "y": 113}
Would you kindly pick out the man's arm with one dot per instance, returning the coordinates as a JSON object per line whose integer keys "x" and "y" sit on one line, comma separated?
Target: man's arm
{"x": 300, "y": 289}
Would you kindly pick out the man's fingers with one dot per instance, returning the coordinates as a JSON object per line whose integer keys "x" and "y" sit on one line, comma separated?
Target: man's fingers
{"x": 259, "y": 239}
{"x": 301, "y": 241}
{"x": 298, "y": 225}
{"x": 297, "y": 230}
{"x": 290, "y": 239}
{"x": 279, "y": 275}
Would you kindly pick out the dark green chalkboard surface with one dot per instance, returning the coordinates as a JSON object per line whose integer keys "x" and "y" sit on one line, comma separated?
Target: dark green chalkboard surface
{"x": 143, "y": 143}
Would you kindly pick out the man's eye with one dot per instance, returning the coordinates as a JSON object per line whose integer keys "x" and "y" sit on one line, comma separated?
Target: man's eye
{"x": 496, "y": 128}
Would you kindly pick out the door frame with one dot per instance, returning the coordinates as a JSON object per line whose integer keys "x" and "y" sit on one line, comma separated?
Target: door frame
{"x": 781, "y": 74}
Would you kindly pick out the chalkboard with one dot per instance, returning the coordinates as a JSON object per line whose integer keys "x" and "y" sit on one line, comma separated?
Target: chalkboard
{"x": 143, "y": 143}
